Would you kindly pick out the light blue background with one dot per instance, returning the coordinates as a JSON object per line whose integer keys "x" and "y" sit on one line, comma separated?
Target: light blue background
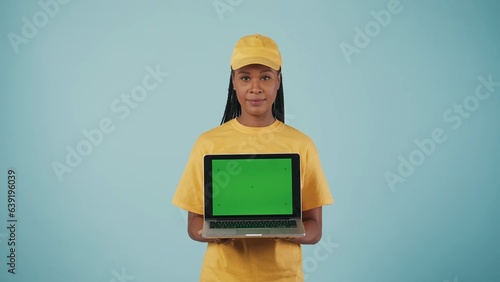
{"x": 112, "y": 213}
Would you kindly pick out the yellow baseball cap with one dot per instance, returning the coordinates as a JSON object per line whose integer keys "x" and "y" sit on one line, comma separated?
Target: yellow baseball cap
{"x": 256, "y": 49}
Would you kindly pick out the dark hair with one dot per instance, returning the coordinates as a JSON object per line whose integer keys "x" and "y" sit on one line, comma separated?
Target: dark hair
{"x": 233, "y": 107}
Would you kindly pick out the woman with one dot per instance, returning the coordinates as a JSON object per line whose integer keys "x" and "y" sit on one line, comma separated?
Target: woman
{"x": 253, "y": 122}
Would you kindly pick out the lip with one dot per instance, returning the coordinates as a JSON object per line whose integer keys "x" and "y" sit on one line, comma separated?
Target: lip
{"x": 255, "y": 102}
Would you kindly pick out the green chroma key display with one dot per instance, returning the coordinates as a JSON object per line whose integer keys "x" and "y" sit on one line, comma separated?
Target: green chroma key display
{"x": 262, "y": 186}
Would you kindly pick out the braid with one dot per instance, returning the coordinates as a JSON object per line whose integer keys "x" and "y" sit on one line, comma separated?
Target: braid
{"x": 279, "y": 103}
{"x": 233, "y": 107}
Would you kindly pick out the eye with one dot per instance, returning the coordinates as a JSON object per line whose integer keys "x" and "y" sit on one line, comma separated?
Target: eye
{"x": 245, "y": 78}
{"x": 265, "y": 77}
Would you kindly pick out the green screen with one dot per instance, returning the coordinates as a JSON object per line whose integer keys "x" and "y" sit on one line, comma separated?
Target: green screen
{"x": 252, "y": 187}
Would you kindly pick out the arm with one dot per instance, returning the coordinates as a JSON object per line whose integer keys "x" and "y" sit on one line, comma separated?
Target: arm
{"x": 313, "y": 224}
{"x": 195, "y": 226}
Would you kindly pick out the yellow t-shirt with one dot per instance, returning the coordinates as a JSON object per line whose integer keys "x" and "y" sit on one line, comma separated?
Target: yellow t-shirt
{"x": 253, "y": 259}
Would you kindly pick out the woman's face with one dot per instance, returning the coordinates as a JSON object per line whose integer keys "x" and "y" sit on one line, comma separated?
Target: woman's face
{"x": 256, "y": 88}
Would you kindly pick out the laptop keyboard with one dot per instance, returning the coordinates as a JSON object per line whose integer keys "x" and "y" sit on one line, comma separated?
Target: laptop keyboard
{"x": 253, "y": 224}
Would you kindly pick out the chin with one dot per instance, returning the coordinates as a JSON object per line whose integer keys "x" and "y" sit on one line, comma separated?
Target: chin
{"x": 259, "y": 113}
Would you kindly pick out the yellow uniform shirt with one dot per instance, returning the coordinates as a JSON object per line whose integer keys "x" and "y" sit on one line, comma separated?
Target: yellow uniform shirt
{"x": 253, "y": 259}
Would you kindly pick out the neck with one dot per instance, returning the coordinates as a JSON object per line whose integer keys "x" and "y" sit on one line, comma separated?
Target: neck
{"x": 256, "y": 121}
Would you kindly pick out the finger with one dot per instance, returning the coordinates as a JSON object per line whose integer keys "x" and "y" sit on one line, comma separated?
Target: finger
{"x": 224, "y": 241}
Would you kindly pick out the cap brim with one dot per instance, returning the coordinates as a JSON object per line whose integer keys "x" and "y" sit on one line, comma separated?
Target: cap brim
{"x": 254, "y": 60}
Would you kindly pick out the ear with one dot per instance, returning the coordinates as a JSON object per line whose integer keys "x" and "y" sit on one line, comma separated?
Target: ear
{"x": 279, "y": 79}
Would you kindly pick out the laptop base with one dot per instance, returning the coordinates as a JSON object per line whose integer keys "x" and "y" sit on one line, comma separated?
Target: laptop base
{"x": 214, "y": 233}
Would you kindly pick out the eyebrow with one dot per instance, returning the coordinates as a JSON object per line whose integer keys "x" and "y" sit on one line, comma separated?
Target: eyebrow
{"x": 238, "y": 72}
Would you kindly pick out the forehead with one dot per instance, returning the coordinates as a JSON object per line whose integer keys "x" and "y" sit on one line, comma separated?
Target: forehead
{"x": 254, "y": 68}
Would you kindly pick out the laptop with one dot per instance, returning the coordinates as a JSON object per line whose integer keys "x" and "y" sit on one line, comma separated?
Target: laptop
{"x": 252, "y": 195}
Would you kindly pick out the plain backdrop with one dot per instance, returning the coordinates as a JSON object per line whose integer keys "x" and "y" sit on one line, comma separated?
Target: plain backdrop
{"x": 390, "y": 92}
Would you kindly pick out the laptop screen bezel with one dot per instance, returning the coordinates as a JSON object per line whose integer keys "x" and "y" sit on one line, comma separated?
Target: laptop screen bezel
{"x": 296, "y": 185}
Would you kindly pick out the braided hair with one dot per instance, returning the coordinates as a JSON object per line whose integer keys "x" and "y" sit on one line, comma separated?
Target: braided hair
{"x": 233, "y": 107}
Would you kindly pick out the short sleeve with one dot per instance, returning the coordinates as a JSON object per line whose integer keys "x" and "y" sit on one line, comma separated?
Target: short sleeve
{"x": 189, "y": 193}
{"x": 315, "y": 192}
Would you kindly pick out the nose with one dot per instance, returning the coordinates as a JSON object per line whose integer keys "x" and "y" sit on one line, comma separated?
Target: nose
{"x": 255, "y": 87}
